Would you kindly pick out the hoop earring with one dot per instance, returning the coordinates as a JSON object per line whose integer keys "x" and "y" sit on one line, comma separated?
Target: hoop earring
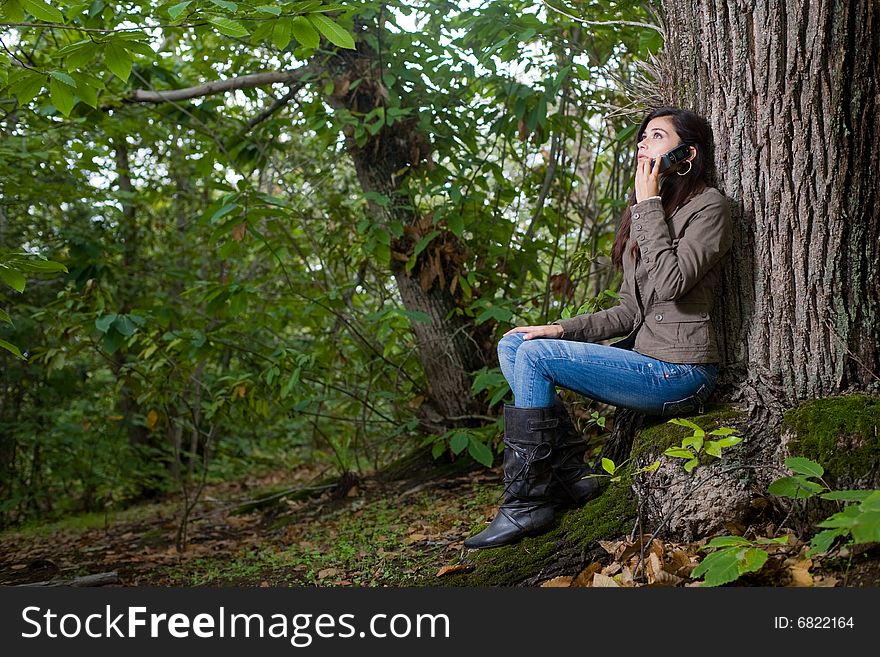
{"x": 684, "y": 173}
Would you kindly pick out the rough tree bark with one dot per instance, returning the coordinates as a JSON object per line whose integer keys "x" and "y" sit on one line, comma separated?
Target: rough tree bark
{"x": 790, "y": 88}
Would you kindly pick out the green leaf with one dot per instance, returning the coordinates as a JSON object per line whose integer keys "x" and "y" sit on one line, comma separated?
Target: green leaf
{"x": 269, "y": 9}
{"x": 795, "y": 487}
{"x": 823, "y": 541}
{"x": 82, "y": 56}
{"x": 11, "y": 348}
{"x": 685, "y": 423}
{"x": 224, "y": 4}
{"x": 713, "y": 448}
{"x": 12, "y": 278}
{"x": 438, "y": 449}
{"x": 800, "y": 465}
{"x": 679, "y": 452}
{"x": 124, "y": 325}
{"x": 229, "y": 27}
{"x": 118, "y": 60}
{"x": 112, "y": 341}
{"x": 608, "y": 466}
{"x": 723, "y": 431}
{"x": 40, "y": 265}
{"x": 281, "y": 33}
{"x": 222, "y": 212}
{"x": 719, "y": 567}
{"x": 726, "y": 541}
{"x": 62, "y": 96}
{"x": 85, "y": 91}
{"x": 4, "y": 317}
{"x": 305, "y": 33}
{"x": 846, "y": 495}
{"x": 752, "y": 560}
{"x": 12, "y": 11}
{"x": 332, "y": 31}
{"x": 693, "y": 441}
{"x": 867, "y": 529}
{"x": 480, "y": 453}
{"x": 459, "y": 442}
{"x": 781, "y": 540}
{"x": 690, "y": 465}
{"x": 625, "y": 134}
{"x": 103, "y": 323}
{"x": 28, "y": 86}
{"x": 377, "y": 198}
{"x": 416, "y": 316}
{"x": 423, "y": 243}
{"x": 729, "y": 442}
{"x": 43, "y": 11}
{"x": 872, "y": 502}
{"x": 63, "y": 78}
{"x": 178, "y": 9}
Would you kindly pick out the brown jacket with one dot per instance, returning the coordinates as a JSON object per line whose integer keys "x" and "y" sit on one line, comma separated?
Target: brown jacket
{"x": 666, "y": 300}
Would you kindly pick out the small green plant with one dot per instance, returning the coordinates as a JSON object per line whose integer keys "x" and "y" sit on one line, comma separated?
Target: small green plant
{"x": 858, "y": 521}
{"x": 605, "y": 299}
{"x": 596, "y": 419}
{"x": 734, "y": 556}
{"x": 613, "y": 470}
{"x": 695, "y": 447}
{"x": 475, "y": 441}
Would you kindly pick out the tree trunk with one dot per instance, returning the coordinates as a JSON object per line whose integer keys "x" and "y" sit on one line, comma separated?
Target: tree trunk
{"x": 447, "y": 351}
{"x": 790, "y": 88}
{"x": 128, "y": 234}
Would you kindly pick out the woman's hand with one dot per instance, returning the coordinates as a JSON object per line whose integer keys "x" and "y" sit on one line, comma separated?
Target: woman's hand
{"x": 545, "y": 331}
{"x": 647, "y": 179}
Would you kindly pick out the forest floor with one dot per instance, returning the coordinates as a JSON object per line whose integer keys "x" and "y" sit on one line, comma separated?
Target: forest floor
{"x": 251, "y": 532}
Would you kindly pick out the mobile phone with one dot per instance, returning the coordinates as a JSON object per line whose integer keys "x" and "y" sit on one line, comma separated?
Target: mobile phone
{"x": 676, "y": 155}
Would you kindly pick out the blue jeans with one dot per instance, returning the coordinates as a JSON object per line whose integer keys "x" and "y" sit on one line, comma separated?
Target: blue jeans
{"x": 611, "y": 375}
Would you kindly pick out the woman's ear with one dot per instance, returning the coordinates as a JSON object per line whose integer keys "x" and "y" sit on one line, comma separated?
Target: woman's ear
{"x": 693, "y": 153}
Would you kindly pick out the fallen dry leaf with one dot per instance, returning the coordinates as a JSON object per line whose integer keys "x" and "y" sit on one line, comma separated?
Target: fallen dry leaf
{"x": 585, "y": 577}
{"x": 603, "y": 581}
{"x": 652, "y": 567}
{"x": 665, "y": 578}
{"x": 563, "y": 581}
{"x": 327, "y": 572}
{"x": 824, "y": 581}
{"x": 799, "y": 571}
{"x": 456, "y": 568}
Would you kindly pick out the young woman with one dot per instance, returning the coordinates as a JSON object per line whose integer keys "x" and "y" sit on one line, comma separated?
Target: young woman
{"x": 671, "y": 245}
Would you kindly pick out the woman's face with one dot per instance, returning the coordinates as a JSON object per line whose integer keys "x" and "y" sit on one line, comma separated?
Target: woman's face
{"x": 659, "y": 138}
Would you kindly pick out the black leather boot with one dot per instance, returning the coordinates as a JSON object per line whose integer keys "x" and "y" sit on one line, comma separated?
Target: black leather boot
{"x": 570, "y": 489}
{"x": 527, "y": 508}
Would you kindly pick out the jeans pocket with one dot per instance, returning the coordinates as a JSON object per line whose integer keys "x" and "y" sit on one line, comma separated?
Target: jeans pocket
{"x": 688, "y": 404}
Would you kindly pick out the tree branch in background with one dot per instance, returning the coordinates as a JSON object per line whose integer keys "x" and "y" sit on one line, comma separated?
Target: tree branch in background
{"x": 221, "y": 86}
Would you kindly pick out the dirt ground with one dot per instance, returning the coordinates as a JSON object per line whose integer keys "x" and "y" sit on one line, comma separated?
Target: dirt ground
{"x": 254, "y": 532}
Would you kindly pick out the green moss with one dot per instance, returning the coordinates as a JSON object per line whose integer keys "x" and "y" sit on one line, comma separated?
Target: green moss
{"x": 607, "y": 516}
{"x": 841, "y": 433}
{"x": 656, "y": 437}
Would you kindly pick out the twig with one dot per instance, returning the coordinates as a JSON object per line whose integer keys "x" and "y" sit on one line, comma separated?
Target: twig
{"x": 98, "y": 579}
{"x": 586, "y": 22}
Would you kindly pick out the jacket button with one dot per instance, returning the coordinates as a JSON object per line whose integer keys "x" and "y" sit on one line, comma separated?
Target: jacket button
{"x": 641, "y": 238}
{"x": 658, "y": 317}
{"x": 704, "y": 314}
{"x": 636, "y": 215}
{"x": 639, "y": 227}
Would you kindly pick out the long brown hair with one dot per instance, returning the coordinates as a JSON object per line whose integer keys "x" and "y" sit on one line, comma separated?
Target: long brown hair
{"x": 676, "y": 190}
